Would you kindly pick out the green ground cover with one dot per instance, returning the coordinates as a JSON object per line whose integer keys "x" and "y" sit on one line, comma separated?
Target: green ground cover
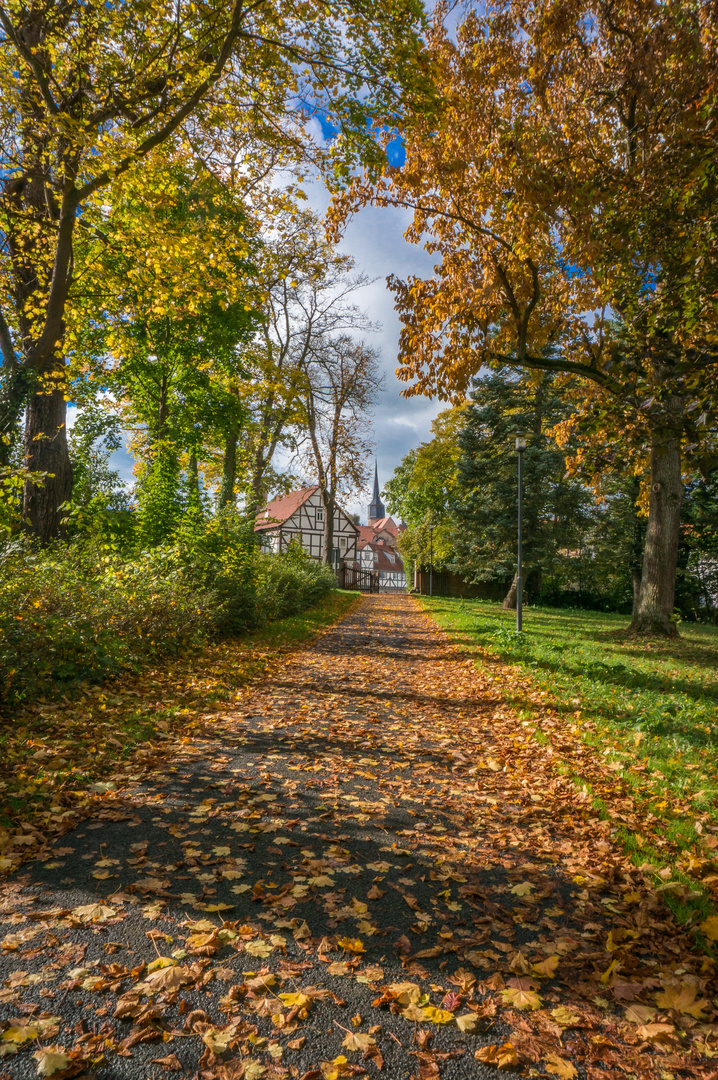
{"x": 650, "y": 708}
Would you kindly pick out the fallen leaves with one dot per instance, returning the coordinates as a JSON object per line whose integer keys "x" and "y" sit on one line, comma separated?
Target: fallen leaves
{"x": 501, "y": 1057}
{"x": 454, "y": 922}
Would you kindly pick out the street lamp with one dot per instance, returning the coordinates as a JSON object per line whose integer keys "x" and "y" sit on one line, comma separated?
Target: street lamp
{"x": 520, "y": 447}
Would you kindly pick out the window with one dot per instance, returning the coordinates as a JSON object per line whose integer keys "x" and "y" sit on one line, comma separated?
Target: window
{"x": 320, "y": 517}
{"x": 343, "y": 542}
{"x": 391, "y": 557}
{"x": 376, "y": 557}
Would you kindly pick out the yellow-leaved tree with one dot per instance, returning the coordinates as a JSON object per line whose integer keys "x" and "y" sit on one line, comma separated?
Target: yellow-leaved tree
{"x": 88, "y": 93}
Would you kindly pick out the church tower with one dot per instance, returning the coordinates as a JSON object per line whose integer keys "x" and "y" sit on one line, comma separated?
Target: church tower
{"x": 376, "y": 506}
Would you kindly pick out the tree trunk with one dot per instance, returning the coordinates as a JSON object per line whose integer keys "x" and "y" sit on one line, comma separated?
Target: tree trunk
{"x": 509, "y": 601}
{"x": 329, "y": 504}
{"x": 46, "y": 452}
{"x": 654, "y": 606}
{"x": 229, "y": 469}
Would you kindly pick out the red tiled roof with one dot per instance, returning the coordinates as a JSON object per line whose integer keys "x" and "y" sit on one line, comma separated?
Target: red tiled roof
{"x": 280, "y": 510}
{"x": 384, "y": 562}
{"x": 385, "y": 523}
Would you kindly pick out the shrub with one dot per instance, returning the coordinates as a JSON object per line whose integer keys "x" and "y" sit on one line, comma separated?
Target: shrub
{"x": 86, "y": 611}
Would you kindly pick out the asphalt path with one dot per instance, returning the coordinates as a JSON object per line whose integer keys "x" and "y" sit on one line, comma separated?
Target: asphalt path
{"x": 348, "y": 873}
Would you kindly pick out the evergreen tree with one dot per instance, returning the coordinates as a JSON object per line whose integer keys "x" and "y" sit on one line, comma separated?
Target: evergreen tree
{"x": 556, "y": 508}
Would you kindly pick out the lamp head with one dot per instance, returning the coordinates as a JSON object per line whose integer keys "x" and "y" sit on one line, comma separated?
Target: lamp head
{"x": 521, "y": 440}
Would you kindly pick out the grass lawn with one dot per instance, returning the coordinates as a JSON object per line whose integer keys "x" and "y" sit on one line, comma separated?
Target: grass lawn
{"x": 650, "y": 709}
{"x": 53, "y": 751}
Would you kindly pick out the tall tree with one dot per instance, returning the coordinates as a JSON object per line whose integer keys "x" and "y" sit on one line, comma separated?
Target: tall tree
{"x": 570, "y": 178}
{"x": 309, "y": 304}
{"x": 556, "y": 508}
{"x": 88, "y": 93}
{"x": 340, "y": 379}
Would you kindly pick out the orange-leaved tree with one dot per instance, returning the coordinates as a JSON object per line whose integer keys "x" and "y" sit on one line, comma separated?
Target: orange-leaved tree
{"x": 569, "y": 191}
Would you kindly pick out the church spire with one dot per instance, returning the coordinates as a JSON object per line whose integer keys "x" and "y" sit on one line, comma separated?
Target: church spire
{"x": 376, "y": 506}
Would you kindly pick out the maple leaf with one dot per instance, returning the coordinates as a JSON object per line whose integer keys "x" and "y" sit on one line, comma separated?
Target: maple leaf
{"x": 639, "y": 1014}
{"x": 503, "y": 1057}
{"x": 565, "y": 1016}
{"x": 165, "y": 978}
{"x": 467, "y": 1023}
{"x": 351, "y": 945}
{"x": 524, "y": 1000}
{"x": 358, "y": 1041}
{"x": 560, "y": 1067}
{"x": 94, "y": 912}
{"x": 681, "y": 997}
{"x": 546, "y": 968}
{"x": 524, "y": 889}
{"x": 51, "y": 1060}
{"x": 258, "y": 948}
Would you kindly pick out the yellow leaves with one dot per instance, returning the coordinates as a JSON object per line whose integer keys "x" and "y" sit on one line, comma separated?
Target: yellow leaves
{"x": 501, "y": 1057}
{"x": 524, "y": 889}
{"x": 523, "y": 1000}
{"x": 217, "y": 1041}
{"x": 301, "y": 1002}
{"x": 709, "y": 927}
{"x": 681, "y": 998}
{"x": 334, "y": 1070}
{"x": 467, "y": 1023}
{"x": 18, "y": 1034}
{"x": 353, "y": 945}
{"x": 357, "y": 1040}
{"x": 94, "y": 912}
{"x": 258, "y": 948}
{"x": 51, "y": 1060}
{"x": 560, "y": 1067}
{"x": 565, "y": 1017}
{"x": 546, "y": 969}
{"x": 165, "y": 978}
{"x": 437, "y": 1016}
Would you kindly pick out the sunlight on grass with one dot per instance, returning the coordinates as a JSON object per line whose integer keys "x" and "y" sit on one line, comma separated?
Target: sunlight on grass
{"x": 650, "y": 708}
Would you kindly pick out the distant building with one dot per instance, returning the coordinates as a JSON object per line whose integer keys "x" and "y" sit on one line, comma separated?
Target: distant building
{"x": 378, "y": 543}
{"x": 300, "y": 516}
{"x": 376, "y": 506}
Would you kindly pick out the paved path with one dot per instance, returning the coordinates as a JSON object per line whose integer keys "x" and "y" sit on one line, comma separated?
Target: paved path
{"x": 368, "y": 864}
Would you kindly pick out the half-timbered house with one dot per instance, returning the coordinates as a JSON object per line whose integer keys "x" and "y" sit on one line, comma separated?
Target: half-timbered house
{"x": 300, "y": 516}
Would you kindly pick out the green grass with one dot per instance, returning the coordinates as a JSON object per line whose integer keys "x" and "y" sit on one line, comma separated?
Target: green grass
{"x": 649, "y": 707}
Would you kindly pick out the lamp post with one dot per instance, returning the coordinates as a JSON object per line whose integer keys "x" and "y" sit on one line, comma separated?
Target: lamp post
{"x": 520, "y": 447}
{"x": 431, "y": 560}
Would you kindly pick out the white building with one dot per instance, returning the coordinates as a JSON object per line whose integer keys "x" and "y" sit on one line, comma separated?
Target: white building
{"x": 300, "y": 516}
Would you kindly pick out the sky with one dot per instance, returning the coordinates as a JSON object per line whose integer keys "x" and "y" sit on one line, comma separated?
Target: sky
{"x": 374, "y": 239}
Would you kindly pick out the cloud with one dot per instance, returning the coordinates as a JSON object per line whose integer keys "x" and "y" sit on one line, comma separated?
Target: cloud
{"x": 374, "y": 238}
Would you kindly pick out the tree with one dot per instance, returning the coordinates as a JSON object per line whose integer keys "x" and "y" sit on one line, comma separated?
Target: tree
{"x": 423, "y": 490}
{"x": 569, "y": 189}
{"x": 340, "y": 379}
{"x": 164, "y": 332}
{"x": 89, "y": 93}
{"x": 556, "y": 508}
{"x": 307, "y": 313}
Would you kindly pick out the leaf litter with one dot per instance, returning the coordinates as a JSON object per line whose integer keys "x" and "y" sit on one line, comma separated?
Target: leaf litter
{"x": 361, "y": 868}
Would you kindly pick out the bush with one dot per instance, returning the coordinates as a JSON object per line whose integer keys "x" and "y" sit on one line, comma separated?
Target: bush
{"x": 87, "y": 611}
